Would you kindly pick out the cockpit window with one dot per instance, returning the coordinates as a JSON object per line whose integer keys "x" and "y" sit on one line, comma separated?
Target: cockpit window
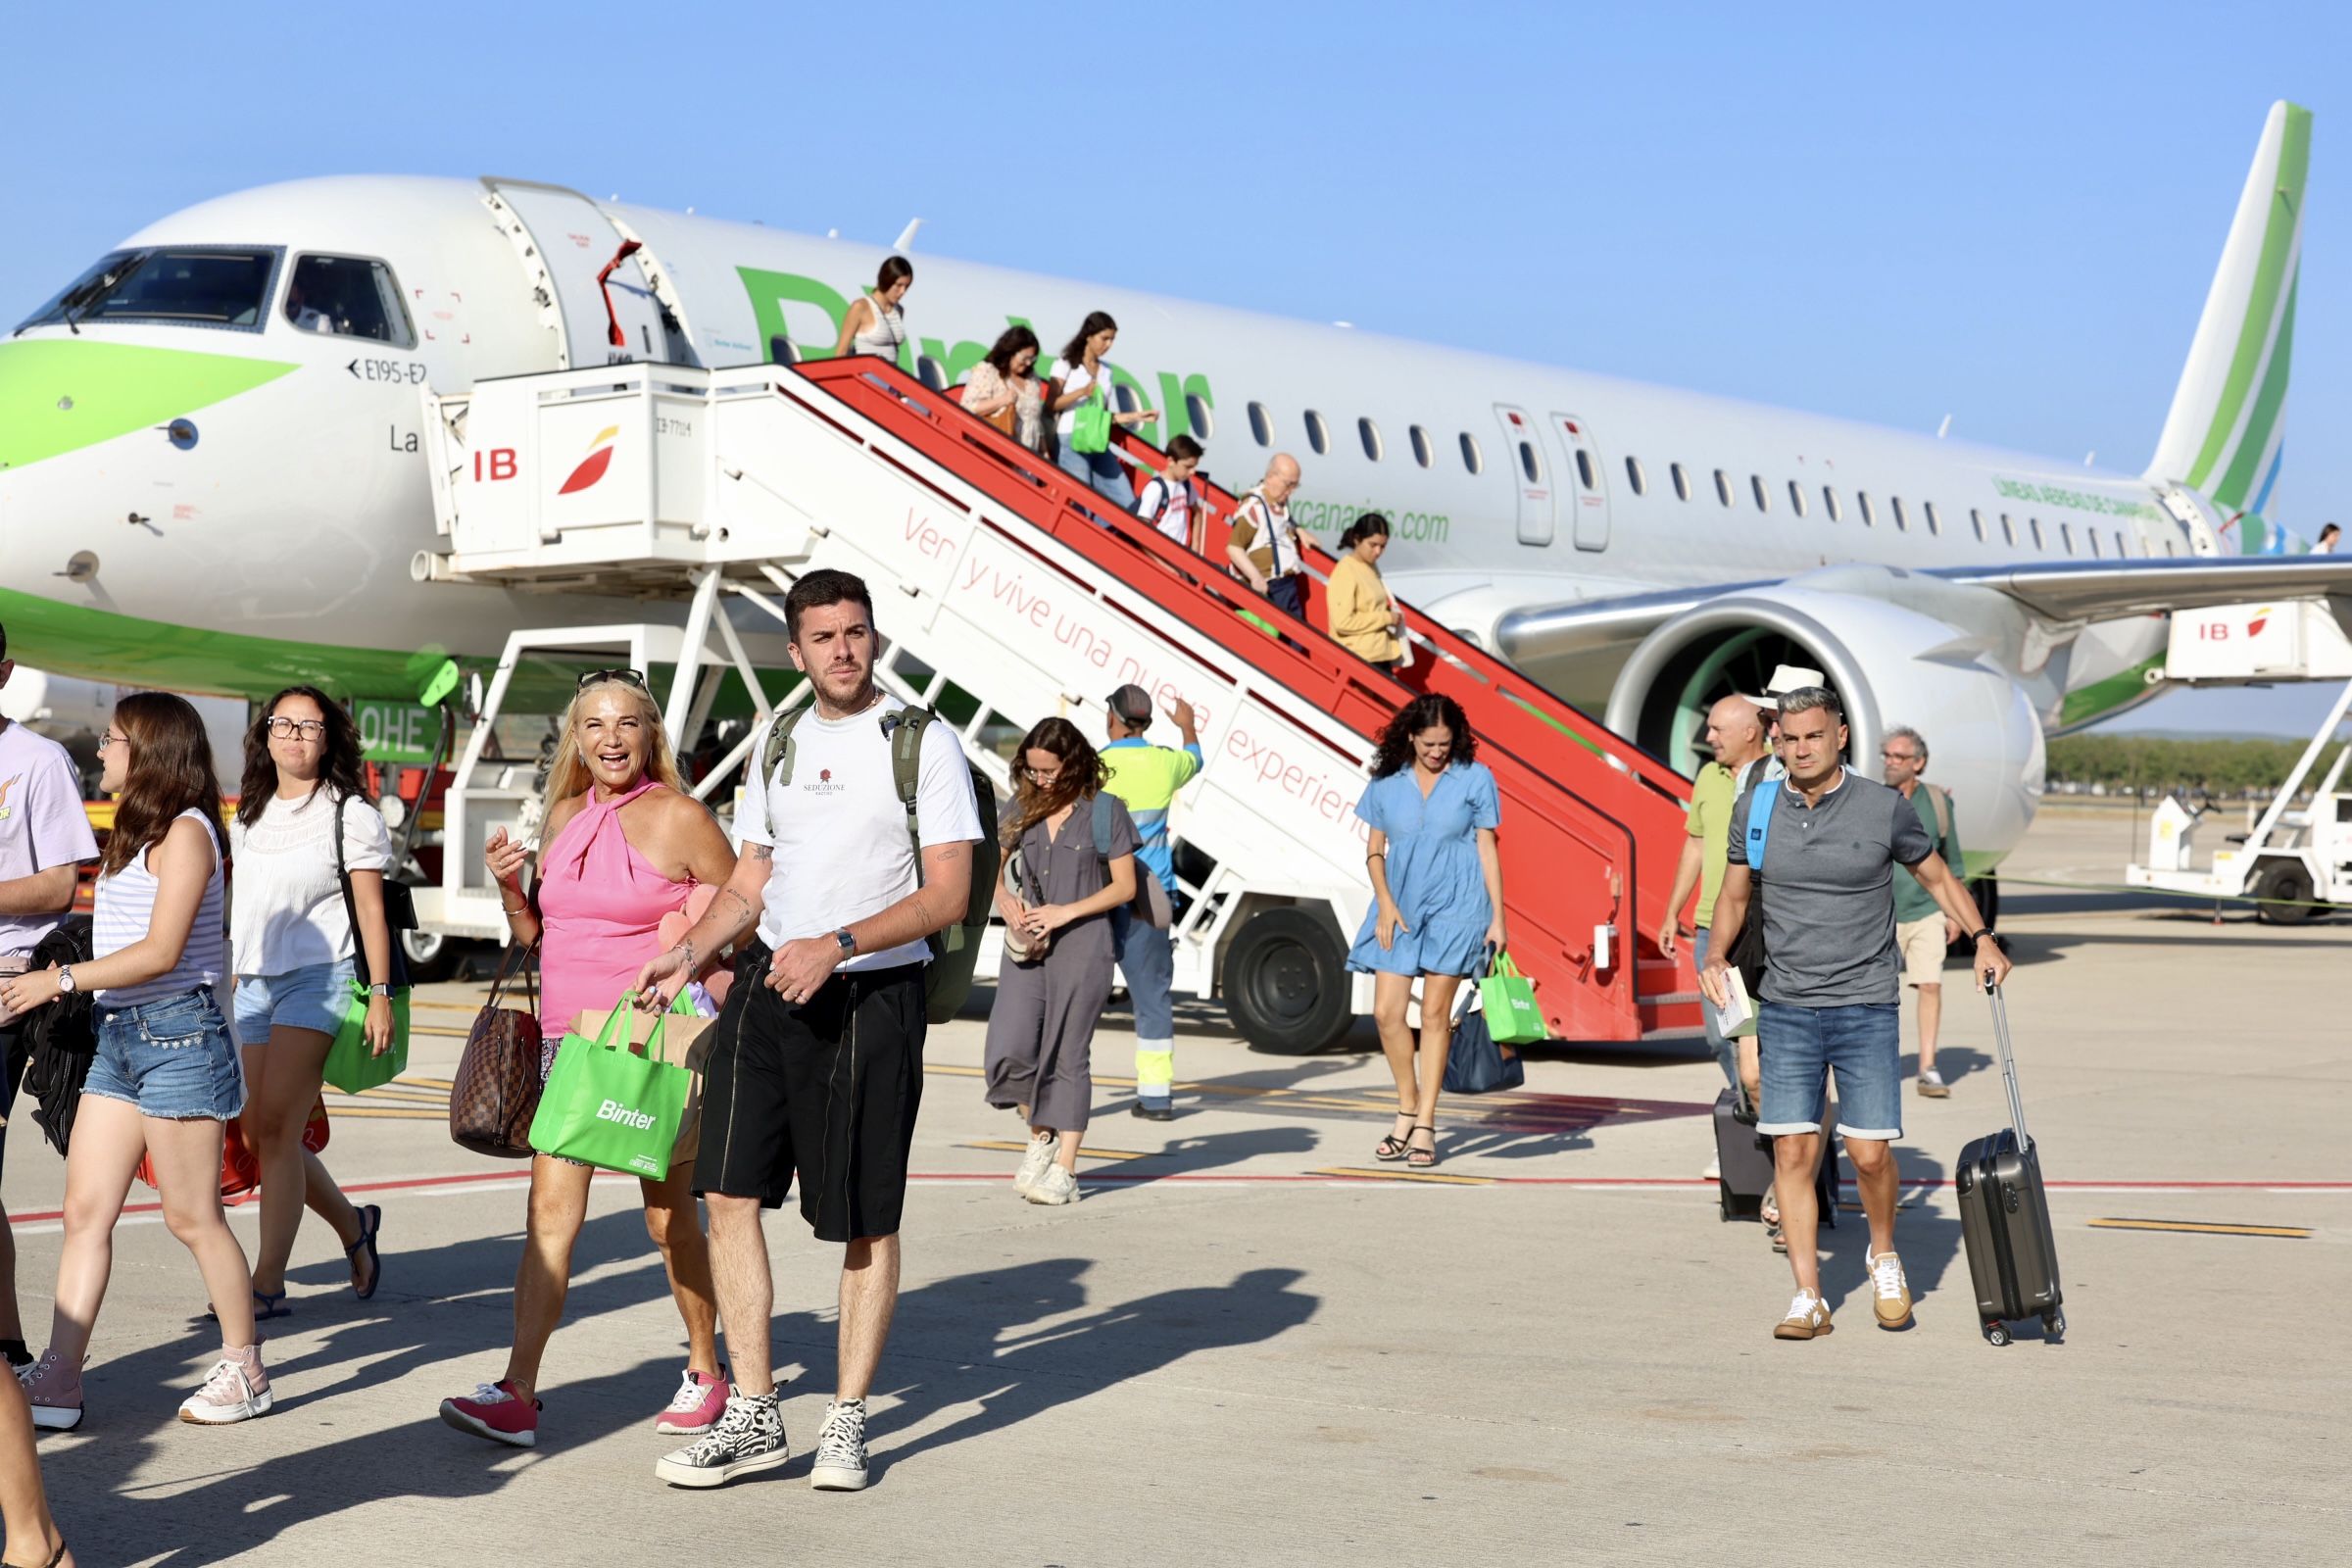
{"x": 218, "y": 286}
{"x": 348, "y": 296}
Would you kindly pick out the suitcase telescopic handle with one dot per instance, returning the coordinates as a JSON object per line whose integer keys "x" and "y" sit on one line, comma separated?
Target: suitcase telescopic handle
{"x": 2000, "y": 1041}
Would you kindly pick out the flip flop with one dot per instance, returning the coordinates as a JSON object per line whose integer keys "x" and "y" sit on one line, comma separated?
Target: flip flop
{"x": 372, "y": 1220}
{"x": 264, "y": 1306}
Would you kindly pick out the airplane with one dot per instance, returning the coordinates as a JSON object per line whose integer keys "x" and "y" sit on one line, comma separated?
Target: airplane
{"x": 212, "y": 477}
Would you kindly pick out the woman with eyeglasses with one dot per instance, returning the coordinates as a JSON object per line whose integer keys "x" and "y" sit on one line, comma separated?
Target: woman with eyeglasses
{"x": 624, "y": 845}
{"x": 1070, "y": 856}
{"x": 164, "y": 1081}
{"x": 292, "y": 942}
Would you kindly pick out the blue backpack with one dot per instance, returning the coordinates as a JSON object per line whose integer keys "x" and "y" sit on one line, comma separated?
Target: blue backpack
{"x": 1748, "y": 947}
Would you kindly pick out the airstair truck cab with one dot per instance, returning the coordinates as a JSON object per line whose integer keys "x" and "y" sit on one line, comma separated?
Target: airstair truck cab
{"x": 997, "y": 577}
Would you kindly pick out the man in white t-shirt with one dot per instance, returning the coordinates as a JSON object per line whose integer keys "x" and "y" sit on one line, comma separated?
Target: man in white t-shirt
{"x": 44, "y": 837}
{"x": 818, "y": 1061}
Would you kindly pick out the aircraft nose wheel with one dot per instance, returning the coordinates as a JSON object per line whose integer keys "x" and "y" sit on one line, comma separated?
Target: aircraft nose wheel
{"x": 1996, "y": 1333}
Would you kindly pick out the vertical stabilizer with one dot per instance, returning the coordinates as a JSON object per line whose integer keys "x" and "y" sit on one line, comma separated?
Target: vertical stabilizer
{"x": 2221, "y": 438}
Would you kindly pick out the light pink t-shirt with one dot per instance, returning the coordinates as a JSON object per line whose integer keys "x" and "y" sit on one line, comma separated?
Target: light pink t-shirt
{"x": 41, "y": 824}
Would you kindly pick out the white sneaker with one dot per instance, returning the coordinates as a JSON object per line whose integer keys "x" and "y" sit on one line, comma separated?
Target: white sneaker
{"x": 841, "y": 1448}
{"x": 1891, "y": 1293}
{"x": 1040, "y": 1155}
{"x": 229, "y": 1393}
{"x": 1054, "y": 1187}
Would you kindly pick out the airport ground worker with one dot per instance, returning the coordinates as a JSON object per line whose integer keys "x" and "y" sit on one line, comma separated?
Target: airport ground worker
{"x": 1146, "y": 777}
{"x": 1922, "y": 931}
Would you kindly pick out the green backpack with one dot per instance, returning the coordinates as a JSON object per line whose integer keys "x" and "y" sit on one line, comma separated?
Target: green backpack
{"x": 947, "y": 977}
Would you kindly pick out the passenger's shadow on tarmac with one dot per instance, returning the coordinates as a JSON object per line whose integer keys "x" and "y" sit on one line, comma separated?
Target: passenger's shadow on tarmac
{"x": 969, "y": 1332}
{"x": 1205, "y": 1151}
{"x": 1926, "y": 1235}
{"x": 1956, "y": 1062}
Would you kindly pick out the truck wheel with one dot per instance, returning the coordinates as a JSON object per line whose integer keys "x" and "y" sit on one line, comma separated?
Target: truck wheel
{"x": 1285, "y": 983}
{"x": 2290, "y": 884}
{"x": 431, "y": 956}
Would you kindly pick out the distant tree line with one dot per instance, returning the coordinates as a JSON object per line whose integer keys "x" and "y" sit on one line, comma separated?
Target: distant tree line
{"x": 2155, "y": 765}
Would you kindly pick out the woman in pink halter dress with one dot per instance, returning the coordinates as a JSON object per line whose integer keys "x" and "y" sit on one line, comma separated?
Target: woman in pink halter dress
{"x": 626, "y": 846}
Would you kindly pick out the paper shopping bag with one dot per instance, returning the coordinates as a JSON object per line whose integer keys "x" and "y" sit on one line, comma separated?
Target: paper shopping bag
{"x": 606, "y": 1107}
{"x": 688, "y": 1036}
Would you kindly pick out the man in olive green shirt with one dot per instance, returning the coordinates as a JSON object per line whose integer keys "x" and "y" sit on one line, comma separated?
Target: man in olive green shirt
{"x": 1922, "y": 931}
{"x": 1736, "y": 732}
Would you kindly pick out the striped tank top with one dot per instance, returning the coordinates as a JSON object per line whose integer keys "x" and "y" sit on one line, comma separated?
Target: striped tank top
{"x": 884, "y": 333}
{"x": 124, "y": 908}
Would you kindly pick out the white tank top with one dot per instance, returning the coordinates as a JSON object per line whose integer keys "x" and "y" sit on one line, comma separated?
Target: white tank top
{"x": 885, "y": 333}
{"x": 126, "y": 906}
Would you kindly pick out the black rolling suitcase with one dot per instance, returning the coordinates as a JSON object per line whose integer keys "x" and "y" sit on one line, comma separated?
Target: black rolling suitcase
{"x": 2005, "y": 1216}
{"x": 1744, "y": 1163}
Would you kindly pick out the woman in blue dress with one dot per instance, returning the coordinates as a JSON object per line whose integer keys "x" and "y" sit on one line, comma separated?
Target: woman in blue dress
{"x": 1437, "y": 899}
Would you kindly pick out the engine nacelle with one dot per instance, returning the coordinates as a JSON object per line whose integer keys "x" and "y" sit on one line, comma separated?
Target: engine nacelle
{"x": 1890, "y": 663}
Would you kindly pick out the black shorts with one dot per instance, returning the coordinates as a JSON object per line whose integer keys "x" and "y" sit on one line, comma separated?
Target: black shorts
{"x": 828, "y": 1088}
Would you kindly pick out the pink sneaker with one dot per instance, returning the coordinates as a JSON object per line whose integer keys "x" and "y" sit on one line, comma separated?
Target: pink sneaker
{"x": 54, "y": 1394}
{"x": 494, "y": 1410}
{"x": 696, "y": 1405}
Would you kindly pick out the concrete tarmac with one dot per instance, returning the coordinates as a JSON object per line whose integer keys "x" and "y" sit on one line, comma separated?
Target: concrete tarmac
{"x": 1250, "y": 1343}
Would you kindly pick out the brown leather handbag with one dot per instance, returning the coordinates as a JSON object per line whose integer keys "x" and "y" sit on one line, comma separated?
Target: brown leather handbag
{"x": 495, "y": 1092}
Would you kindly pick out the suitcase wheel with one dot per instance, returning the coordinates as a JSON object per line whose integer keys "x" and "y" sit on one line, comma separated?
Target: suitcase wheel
{"x": 1997, "y": 1333}
{"x": 2053, "y": 1325}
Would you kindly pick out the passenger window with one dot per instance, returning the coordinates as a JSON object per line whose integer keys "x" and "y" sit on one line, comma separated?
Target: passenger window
{"x": 1722, "y": 487}
{"x": 1902, "y": 518}
{"x": 348, "y": 296}
{"x": 1828, "y": 499}
{"x": 2066, "y": 537}
{"x": 1528, "y": 464}
{"x": 1682, "y": 481}
{"x": 1584, "y": 467}
{"x": 1632, "y": 475}
{"x": 934, "y": 376}
{"x": 1423, "y": 453}
{"x": 1870, "y": 519}
{"x": 1317, "y": 435}
{"x": 1199, "y": 416}
{"x": 2035, "y": 523}
{"x": 1755, "y": 485}
{"x": 2008, "y": 532}
{"x": 2121, "y": 551}
{"x": 2168, "y": 547}
{"x": 1124, "y": 395}
{"x": 2092, "y": 536}
{"x": 1796, "y": 497}
{"x": 1472, "y": 458}
{"x": 1369, "y": 434}
{"x": 1935, "y": 524}
{"x": 1975, "y": 521}
{"x": 1261, "y": 424}
{"x": 780, "y": 351}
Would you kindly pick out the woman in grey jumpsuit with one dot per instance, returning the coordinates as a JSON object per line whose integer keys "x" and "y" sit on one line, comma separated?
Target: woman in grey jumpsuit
{"x": 1076, "y": 863}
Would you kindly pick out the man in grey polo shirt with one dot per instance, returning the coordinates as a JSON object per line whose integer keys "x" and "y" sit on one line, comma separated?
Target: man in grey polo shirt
{"x": 1831, "y": 843}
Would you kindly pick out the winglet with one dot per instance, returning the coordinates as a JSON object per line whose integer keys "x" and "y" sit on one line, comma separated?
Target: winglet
{"x": 2221, "y": 438}
{"x": 904, "y": 245}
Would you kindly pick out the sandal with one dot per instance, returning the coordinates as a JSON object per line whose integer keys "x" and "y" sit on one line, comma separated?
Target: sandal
{"x": 1392, "y": 1149}
{"x": 264, "y": 1306}
{"x": 1422, "y": 1158}
{"x": 372, "y": 1220}
{"x": 58, "y": 1557}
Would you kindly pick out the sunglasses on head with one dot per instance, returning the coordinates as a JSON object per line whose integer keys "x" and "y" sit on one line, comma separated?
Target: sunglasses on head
{"x": 629, "y": 676}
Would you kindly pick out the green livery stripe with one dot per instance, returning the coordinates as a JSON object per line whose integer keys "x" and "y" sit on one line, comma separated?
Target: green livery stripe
{"x": 58, "y": 395}
{"x": 2237, "y": 487}
{"x": 2261, "y": 305}
{"x": 2103, "y": 696}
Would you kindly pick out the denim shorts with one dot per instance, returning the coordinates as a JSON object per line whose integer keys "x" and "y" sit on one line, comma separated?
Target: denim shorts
{"x": 314, "y": 997}
{"x": 171, "y": 1059}
{"x": 1800, "y": 1044}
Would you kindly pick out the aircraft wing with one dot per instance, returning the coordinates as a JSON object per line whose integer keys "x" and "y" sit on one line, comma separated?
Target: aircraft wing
{"x": 2061, "y": 592}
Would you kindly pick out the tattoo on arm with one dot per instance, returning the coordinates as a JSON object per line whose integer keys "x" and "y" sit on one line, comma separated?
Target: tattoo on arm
{"x": 759, "y": 852}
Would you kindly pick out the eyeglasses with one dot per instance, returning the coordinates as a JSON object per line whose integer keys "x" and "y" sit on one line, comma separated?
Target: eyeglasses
{"x": 113, "y": 739}
{"x": 1901, "y": 756}
{"x": 285, "y": 729}
{"x": 626, "y": 676}
{"x": 1040, "y": 775}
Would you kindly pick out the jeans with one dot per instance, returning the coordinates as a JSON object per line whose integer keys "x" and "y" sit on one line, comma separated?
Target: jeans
{"x": 1103, "y": 472}
{"x": 1863, "y": 1042}
{"x": 1288, "y": 593}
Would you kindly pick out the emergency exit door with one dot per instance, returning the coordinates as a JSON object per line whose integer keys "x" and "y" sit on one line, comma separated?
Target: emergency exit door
{"x": 1523, "y": 451}
{"x": 564, "y": 240}
{"x": 1584, "y": 487}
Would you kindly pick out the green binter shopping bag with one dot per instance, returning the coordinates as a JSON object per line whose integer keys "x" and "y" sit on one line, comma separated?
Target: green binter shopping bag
{"x": 350, "y": 1065}
{"x": 605, "y": 1106}
{"x": 1090, "y": 428}
{"x": 1508, "y": 999}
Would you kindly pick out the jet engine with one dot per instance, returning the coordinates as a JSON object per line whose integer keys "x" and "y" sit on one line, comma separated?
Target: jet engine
{"x": 1890, "y": 662}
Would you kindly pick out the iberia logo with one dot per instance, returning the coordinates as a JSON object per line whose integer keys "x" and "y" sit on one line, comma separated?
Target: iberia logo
{"x": 2262, "y": 618}
{"x": 592, "y": 467}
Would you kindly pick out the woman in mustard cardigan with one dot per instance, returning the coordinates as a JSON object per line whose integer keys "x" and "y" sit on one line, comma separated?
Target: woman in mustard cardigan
{"x": 1364, "y": 617}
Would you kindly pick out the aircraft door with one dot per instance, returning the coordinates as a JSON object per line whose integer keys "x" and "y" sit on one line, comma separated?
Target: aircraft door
{"x": 564, "y": 242}
{"x": 1524, "y": 453}
{"x": 1586, "y": 484}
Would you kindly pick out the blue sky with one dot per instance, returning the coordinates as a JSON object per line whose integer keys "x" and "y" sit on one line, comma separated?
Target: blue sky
{"x": 2007, "y": 213}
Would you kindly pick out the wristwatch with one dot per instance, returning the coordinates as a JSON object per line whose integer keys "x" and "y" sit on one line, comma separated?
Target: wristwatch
{"x": 379, "y": 989}
{"x": 65, "y": 980}
{"x": 848, "y": 943}
{"x": 1980, "y": 936}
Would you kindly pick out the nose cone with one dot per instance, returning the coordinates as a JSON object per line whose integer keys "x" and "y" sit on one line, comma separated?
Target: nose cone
{"x": 61, "y": 394}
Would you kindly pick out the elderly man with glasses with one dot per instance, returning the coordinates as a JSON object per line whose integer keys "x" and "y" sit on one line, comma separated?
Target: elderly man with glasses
{"x": 1922, "y": 931}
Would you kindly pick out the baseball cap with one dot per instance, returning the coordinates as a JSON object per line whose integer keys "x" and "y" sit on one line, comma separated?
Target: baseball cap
{"x": 1133, "y": 703}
